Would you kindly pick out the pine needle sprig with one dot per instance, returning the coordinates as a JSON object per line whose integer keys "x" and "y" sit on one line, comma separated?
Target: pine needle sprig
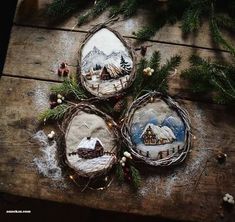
{"x": 145, "y": 33}
{"x": 126, "y": 8}
{"x": 100, "y": 6}
{"x": 83, "y": 18}
{"x": 61, "y": 8}
{"x": 218, "y": 38}
{"x": 226, "y": 22}
{"x": 136, "y": 178}
{"x": 119, "y": 173}
{"x": 70, "y": 87}
{"x": 211, "y": 77}
{"x": 191, "y": 20}
{"x": 160, "y": 19}
{"x": 155, "y": 60}
{"x": 54, "y": 114}
{"x": 137, "y": 85}
{"x": 160, "y": 79}
{"x": 97, "y": 9}
{"x": 129, "y": 7}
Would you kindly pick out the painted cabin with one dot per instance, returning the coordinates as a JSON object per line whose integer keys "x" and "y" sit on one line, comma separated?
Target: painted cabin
{"x": 90, "y": 148}
{"x": 149, "y": 137}
{"x": 157, "y": 135}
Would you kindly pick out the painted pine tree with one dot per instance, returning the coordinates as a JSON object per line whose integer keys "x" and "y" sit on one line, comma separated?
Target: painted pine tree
{"x": 125, "y": 66}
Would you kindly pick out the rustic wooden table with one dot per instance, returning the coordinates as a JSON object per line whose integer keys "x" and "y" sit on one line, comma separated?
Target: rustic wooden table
{"x": 190, "y": 192}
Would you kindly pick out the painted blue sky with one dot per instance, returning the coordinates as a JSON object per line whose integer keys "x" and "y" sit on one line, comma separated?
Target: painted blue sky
{"x": 175, "y": 124}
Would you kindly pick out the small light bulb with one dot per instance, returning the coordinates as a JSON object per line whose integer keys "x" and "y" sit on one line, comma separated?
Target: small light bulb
{"x": 110, "y": 124}
{"x": 71, "y": 177}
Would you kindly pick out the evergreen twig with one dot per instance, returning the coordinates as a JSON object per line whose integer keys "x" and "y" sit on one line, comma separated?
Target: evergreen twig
{"x": 119, "y": 173}
{"x": 158, "y": 80}
{"x": 70, "y": 87}
{"x": 136, "y": 179}
{"x": 97, "y": 9}
{"x": 211, "y": 77}
{"x": 54, "y": 114}
{"x": 61, "y": 8}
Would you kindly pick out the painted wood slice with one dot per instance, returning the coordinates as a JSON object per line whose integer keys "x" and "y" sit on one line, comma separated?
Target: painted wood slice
{"x": 157, "y": 130}
{"x": 90, "y": 140}
{"x": 106, "y": 63}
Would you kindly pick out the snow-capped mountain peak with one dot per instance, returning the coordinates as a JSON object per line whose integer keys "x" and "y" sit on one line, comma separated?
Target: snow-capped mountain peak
{"x": 97, "y": 56}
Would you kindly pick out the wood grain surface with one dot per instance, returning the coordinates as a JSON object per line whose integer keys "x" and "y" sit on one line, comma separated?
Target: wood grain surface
{"x": 192, "y": 191}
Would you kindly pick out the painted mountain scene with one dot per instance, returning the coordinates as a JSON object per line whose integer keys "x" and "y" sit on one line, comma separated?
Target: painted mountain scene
{"x": 157, "y": 131}
{"x": 106, "y": 64}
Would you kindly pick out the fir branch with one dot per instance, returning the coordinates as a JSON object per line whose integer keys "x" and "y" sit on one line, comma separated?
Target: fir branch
{"x": 54, "y": 114}
{"x": 159, "y": 81}
{"x": 154, "y": 61}
{"x": 191, "y": 20}
{"x": 218, "y": 38}
{"x": 83, "y": 18}
{"x": 97, "y": 9}
{"x": 100, "y": 6}
{"x": 145, "y": 33}
{"x": 135, "y": 176}
{"x": 160, "y": 19}
{"x": 70, "y": 87}
{"x": 216, "y": 34}
{"x": 137, "y": 85}
{"x": 119, "y": 173}
{"x": 211, "y": 77}
{"x": 114, "y": 10}
{"x": 226, "y": 22}
{"x": 129, "y": 7}
{"x": 126, "y": 8}
{"x": 61, "y": 8}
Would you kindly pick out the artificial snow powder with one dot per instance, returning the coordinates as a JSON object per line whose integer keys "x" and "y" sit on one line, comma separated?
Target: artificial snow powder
{"x": 47, "y": 163}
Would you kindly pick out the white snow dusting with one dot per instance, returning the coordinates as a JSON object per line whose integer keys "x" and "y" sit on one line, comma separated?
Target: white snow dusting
{"x": 183, "y": 177}
{"x": 47, "y": 163}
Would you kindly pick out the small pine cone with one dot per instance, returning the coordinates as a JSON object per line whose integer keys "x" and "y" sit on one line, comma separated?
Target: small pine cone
{"x": 118, "y": 107}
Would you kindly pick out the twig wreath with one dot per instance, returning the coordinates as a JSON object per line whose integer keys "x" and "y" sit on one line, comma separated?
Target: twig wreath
{"x": 91, "y": 161}
{"x": 105, "y": 78}
{"x": 179, "y": 153}
{"x": 91, "y": 140}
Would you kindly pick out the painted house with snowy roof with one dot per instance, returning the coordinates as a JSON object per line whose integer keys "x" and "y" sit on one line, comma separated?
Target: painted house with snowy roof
{"x": 157, "y": 135}
{"x": 89, "y": 148}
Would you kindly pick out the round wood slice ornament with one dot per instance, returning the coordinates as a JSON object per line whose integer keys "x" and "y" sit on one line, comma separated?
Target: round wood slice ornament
{"x": 91, "y": 141}
{"x": 107, "y": 63}
{"x": 157, "y": 130}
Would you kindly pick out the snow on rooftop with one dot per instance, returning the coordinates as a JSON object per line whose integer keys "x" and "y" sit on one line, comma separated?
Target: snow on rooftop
{"x": 89, "y": 143}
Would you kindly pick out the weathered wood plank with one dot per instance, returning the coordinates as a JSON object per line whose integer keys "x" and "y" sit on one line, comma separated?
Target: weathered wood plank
{"x": 169, "y": 33}
{"x": 191, "y": 192}
{"x": 37, "y": 53}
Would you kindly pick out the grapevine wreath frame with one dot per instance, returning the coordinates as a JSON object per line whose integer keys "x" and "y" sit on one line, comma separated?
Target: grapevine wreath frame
{"x": 130, "y": 50}
{"x": 126, "y": 129}
{"x": 90, "y": 109}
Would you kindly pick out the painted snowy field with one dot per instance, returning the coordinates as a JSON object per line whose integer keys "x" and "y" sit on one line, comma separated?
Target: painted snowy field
{"x": 89, "y": 125}
{"x": 91, "y": 166}
{"x": 107, "y": 87}
{"x": 159, "y": 114}
{"x": 154, "y": 150}
{"x": 105, "y": 51}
